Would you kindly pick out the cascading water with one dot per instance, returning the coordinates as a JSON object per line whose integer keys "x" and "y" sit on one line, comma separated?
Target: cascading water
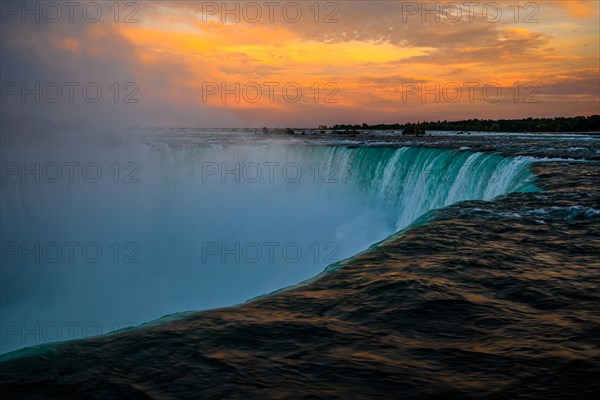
{"x": 155, "y": 229}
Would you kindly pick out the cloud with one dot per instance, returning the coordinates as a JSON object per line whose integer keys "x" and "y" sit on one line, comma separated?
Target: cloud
{"x": 367, "y": 51}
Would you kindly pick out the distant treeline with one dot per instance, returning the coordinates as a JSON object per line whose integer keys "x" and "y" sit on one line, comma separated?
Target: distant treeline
{"x": 574, "y": 124}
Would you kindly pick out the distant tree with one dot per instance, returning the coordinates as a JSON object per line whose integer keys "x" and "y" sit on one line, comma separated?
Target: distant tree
{"x": 574, "y": 124}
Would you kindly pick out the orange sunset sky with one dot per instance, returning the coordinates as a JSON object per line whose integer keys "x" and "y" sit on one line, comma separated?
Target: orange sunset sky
{"x": 354, "y": 62}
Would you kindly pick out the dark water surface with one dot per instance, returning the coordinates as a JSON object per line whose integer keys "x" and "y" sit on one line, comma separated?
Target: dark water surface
{"x": 492, "y": 300}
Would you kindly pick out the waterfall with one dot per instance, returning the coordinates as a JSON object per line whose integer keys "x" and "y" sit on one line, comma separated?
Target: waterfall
{"x": 98, "y": 239}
